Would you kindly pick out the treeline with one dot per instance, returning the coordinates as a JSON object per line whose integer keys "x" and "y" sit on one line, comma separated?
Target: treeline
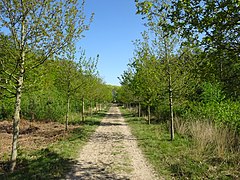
{"x": 55, "y": 89}
{"x": 186, "y": 66}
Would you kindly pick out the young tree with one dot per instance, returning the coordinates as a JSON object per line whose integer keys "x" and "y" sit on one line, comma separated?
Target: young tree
{"x": 212, "y": 26}
{"x": 165, "y": 44}
{"x": 68, "y": 79}
{"x": 88, "y": 68}
{"x": 42, "y": 27}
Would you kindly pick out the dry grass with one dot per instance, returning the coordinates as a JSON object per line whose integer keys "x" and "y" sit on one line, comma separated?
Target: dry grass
{"x": 209, "y": 137}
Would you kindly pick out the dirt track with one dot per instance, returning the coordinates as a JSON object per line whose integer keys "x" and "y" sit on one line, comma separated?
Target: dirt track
{"x": 112, "y": 153}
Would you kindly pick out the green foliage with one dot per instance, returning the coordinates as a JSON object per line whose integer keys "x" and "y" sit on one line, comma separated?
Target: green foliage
{"x": 224, "y": 113}
{"x": 212, "y": 93}
{"x": 45, "y": 90}
{"x": 6, "y": 108}
{"x": 214, "y": 107}
{"x": 212, "y": 26}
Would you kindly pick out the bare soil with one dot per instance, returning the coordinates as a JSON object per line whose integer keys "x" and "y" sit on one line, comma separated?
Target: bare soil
{"x": 112, "y": 153}
{"x": 33, "y": 136}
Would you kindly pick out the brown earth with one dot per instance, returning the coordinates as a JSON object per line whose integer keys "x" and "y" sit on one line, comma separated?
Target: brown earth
{"x": 33, "y": 135}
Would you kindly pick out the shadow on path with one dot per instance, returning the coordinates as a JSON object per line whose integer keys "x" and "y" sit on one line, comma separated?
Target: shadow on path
{"x": 92, "y": 172}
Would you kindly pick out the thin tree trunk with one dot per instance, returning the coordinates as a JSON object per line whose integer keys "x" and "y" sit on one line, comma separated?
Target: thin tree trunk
{"x": 139, "y": 109}
{"x": 170, "y": 101}
{"x": 96, "y": 110}
{"x": 16, "y": 119}
{"x": 91, "y": 107}
{"x": 67, "y": 112}
{"x": 83, "y": 117}
{"x": 170, "y": 91}
{"x": 171, "y": 113}
{"x": 149, "y": 115}
{"x": 32, "y": 105}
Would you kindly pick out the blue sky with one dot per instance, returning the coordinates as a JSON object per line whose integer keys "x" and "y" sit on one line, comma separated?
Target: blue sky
{"x": 112, "y": 31}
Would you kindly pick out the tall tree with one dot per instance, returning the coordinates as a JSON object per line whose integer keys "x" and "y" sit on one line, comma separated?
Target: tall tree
{"x": 166, "y": 48}
{"x": 44, "y": 27}
{"x": 165, "y": 41}
{"x": 211, "y": 25}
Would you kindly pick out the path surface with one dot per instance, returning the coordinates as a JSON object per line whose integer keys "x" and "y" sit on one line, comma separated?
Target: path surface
{"x": 112, "y": 153}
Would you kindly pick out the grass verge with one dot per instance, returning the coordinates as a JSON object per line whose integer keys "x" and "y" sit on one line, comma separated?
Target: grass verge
{"x": 180, "y": 159}
{"x": 57, "y": 159}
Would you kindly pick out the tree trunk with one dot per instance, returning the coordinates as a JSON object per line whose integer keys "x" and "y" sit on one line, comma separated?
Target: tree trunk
{"x": 91, "y": 108}
{"x": 149, "y": 115}
{"x": 16, "y": 119}
{"x": 96, "y": 110}
{"x": 67, "y": 112}
{"x": 171, "y": 113}
{"x": 170, "y": 102}
{"x": 170, "y": 91}
{"x": 139, "y": 109}
{"x": 83, "y": 117}
{"x": 32, "y": 107}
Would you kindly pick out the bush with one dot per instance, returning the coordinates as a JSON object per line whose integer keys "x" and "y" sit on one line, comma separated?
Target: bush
{"x": 214, "y": 107}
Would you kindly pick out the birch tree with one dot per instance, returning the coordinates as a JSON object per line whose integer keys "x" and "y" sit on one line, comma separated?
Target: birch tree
{"x": 44, "y": 27}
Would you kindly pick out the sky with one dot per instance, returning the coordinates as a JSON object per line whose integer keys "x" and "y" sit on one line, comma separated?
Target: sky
{"x": 111, "y": 35}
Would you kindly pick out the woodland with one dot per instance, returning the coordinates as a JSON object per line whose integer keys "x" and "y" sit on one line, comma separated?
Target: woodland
{"x": 183, "y": 79}
{"x": 186, "y": 63}
{"x": 184, "y": 76}
{"x": 41, "y": 78}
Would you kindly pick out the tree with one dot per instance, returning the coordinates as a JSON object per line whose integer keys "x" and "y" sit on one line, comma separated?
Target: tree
{"x": 166, "y": 48}
{"x": 165, "y": 41}
{"x": 68, "y": 78}
{"x": 146, "y": 80}
{"x": 212, "y": 26}
{"x": 42, "y": 27}
{"x": 88, "y": 69}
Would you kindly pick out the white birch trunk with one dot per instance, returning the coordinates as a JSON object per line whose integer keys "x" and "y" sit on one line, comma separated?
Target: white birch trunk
{"x": 16, "y": 119}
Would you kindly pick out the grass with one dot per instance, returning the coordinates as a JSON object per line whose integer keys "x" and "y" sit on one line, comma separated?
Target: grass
{"x": 181, "y": 158}
{"x": 58, "y": 158}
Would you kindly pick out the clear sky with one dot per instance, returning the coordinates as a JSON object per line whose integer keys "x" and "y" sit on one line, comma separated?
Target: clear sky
{"x": 112, "y": 31}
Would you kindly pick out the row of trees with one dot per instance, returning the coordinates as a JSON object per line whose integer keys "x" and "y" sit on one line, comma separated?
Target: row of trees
{"x": 40, "y": 76}
{"x": 189, "y": 58}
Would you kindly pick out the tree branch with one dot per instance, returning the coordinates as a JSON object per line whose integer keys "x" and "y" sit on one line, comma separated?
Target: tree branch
{"x": 8, "y": 90}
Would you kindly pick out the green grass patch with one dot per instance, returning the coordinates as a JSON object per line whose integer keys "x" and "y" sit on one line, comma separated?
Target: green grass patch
{"x": 56, "y": 160}
{"x": 180, "y": 158}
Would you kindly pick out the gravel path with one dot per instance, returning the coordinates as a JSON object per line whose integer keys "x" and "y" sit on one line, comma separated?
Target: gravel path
{"x": 112, "y": 153}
